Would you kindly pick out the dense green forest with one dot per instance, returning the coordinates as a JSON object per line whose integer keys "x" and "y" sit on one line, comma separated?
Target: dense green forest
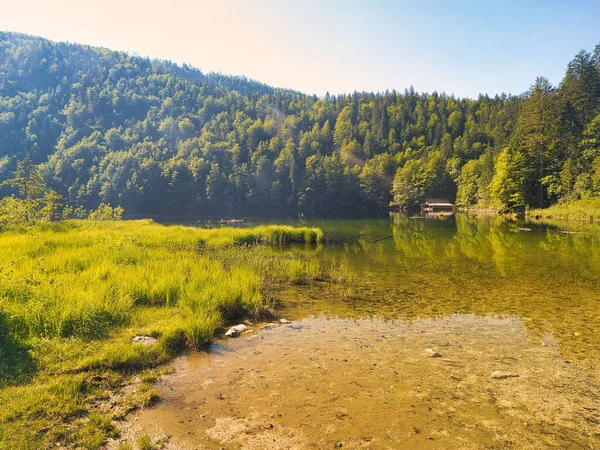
{"x": 161, "y": 139}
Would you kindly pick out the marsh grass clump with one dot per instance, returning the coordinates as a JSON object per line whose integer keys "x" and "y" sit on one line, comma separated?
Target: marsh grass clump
{"x": 274, "y": 266}
{"x": 96, "y": 430}
{"x": 144, "y": 442}
{"x": 74, "y": 294}
{"x": 584, "y": 210}
{"x": 124, "y": 446}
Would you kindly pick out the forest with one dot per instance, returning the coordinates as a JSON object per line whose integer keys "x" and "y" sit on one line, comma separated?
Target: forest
{"x": 157, "y": 138}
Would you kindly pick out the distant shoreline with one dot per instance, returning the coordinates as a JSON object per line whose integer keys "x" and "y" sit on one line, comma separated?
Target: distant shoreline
{"x": 573, "y": 211}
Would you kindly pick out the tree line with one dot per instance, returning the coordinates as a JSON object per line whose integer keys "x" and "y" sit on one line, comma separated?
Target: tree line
{"x": 157, "y": 138}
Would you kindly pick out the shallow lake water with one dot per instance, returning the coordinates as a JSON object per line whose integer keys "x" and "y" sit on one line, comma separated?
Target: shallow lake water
{"x": 351, "y": 369}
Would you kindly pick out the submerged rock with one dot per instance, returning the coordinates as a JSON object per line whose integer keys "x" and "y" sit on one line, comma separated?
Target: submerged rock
{"x": 500, "y": 375}
{"x": 284, "y": 321}
{"x": 145, "y": 340}
{"x": 432, "y": 353}
{"x": 236, "y": 330}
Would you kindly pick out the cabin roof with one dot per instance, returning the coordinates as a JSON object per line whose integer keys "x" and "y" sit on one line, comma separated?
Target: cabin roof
{"x": 438, "y": 202}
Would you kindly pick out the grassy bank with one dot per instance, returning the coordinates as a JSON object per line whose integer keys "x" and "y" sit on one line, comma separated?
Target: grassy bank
{"x": 73, "y": 295}
{"x": 576, "y": 210}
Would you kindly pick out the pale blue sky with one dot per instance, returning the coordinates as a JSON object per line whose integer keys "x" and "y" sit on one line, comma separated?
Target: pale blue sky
{"x": 459, "y": 47}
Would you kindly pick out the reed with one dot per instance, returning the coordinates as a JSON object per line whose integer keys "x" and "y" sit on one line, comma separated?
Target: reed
{"x": 584, "y": 209}
{"x": 74, "y": 294}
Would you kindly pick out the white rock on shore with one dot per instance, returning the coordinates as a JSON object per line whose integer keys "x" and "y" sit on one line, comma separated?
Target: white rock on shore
{"x": 236, "y": 330}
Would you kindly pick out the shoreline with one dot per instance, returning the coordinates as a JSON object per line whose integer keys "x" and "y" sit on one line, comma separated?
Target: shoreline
{"x": 532, "y": 215}
{"x": 539, "y": 217}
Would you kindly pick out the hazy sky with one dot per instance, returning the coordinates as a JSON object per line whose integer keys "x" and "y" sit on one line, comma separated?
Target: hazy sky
{"x": 460, "y": 47}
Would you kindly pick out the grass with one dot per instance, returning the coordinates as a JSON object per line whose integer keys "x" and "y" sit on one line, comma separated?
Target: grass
{"x": 74, "y": 294}
{"x": 588, "y": 209}
{"x": 145, "y": 443}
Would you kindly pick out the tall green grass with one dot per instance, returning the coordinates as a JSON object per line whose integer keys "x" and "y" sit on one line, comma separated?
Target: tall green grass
{"x": 585, "y": 209}
{"x": 85, "y": 280}
{"x": 74, "y": 294}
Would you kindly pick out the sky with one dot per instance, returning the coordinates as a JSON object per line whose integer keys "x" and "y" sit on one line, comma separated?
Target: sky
{"x": 338, "y": 46}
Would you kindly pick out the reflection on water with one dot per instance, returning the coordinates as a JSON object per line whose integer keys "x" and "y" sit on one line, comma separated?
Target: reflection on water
{"x": 415, "y": 268}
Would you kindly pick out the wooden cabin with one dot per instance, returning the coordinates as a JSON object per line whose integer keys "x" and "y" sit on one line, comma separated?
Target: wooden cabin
{"x": 436, "y": 207}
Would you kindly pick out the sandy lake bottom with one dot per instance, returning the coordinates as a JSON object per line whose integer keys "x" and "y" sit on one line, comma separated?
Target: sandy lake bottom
{"x": 321, "y": 383}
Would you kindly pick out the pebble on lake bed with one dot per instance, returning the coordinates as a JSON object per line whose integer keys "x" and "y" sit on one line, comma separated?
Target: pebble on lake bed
{"x": 432, "y": 353}
{"x": 499, "y": 375}
{"x": 234, "y": 331}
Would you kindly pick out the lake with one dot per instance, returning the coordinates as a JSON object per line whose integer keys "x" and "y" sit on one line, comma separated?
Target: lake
{"x": 513, "y": 317}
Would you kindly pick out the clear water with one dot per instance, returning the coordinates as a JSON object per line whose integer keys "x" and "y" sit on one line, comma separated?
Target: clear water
{"x": 352, "y": 370}
{"x": 408, "y": 269}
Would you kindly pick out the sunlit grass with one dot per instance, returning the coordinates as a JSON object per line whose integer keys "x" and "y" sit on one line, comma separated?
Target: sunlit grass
{"x": 73, "y": 295}
{"x": 588, "y": 209}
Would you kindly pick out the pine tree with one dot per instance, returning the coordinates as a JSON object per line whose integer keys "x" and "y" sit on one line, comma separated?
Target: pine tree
{"x": 27, "y": 180}
{"x": 534, "y": 137}
{"x": 581, "y": 87}
{"x": 30, "y": 186}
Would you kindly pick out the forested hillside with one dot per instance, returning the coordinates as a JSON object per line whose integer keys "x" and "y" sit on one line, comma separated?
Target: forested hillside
{"x": 157, "y": 138}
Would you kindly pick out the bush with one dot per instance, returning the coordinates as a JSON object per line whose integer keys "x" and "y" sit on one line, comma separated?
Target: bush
{"x": 106, "y": 212}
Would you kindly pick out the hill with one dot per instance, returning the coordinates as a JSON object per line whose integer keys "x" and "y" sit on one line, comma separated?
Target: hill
{"x": 159, "y": 138}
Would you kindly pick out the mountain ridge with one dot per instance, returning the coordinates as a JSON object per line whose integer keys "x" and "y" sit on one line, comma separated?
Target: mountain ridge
{"x": 160, "y": 138}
